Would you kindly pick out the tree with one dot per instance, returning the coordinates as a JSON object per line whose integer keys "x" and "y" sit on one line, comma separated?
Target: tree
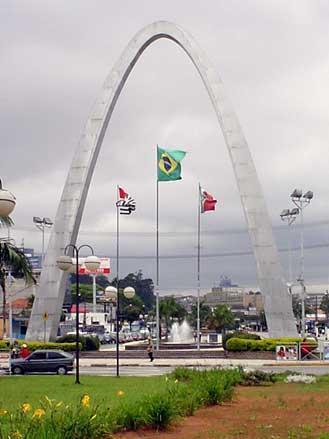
{"x": 324, "y": 306}
{"x": 205, "y": 312}
{"x": 221, "y": 318}
{"x": 12, "y": 258}
{"x": 168, "y": 307}
{"x": 143, "y": 287}
{"x": 297, "y": 307}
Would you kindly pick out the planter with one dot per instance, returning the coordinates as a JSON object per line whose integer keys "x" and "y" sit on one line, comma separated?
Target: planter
{"x": 250, "y": 355}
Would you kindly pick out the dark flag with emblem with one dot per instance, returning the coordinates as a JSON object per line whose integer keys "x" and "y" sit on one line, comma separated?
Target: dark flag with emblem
{"x": 126, "y": 204}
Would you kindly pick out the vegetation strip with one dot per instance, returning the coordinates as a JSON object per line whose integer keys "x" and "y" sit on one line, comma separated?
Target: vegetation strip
{"x": 168, "y": 397}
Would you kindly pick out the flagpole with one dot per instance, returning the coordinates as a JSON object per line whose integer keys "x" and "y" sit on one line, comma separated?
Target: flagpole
{"x": 198, "y": 270}
{"x": 157, "y": 269}
{"x": 118, "y": 301}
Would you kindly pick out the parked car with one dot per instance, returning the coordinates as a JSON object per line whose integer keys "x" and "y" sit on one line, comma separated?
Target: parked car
{"x": 56, "y": 361}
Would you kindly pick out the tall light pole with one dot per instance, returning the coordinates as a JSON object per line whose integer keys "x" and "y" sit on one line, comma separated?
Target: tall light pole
{"x": 41, "y": 224}
{"x": 68, "y": 264}
{"x": 112, "y": 293}
{"x": 289, "y": 216}
{"x": 301, "y": 201}
{"x": 7, "y": 205}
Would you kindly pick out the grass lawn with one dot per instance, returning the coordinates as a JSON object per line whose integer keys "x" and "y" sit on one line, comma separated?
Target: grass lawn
{"x": 28, "y": 388}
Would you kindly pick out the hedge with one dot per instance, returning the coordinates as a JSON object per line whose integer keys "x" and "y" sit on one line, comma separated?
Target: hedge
{"x": 268, "y": 344}
{"x": 34, "y": 345}
{"x": 88, "y": 342}
{"x": 238, "y": 334}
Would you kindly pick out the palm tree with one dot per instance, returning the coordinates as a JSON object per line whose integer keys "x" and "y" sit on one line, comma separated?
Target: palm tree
{"x": 221, "y": 318}
{"x": 11, "y": 258}
{"x": 168, "y": 307}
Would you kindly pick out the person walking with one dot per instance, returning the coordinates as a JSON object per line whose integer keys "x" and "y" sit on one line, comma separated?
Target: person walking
{"x": 149, "y": 348}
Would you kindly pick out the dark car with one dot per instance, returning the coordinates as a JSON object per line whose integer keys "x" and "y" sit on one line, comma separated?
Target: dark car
{"x": 43, "y": 361}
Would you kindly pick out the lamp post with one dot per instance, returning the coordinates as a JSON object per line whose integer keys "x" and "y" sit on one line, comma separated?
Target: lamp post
{"x": 68, "y": 264}
{"x": 7, "y": 205}
{"x": 111, "y": 293}
{"x": 41, "y": 224}
{"x": 301, "y": 201}
{"x": 289, "y": 216}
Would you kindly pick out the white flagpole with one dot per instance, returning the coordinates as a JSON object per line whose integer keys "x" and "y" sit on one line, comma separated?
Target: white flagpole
{"x": 157, "y": 267}
{"x": 118, "y": 303}
{"x": 198, "y": 274}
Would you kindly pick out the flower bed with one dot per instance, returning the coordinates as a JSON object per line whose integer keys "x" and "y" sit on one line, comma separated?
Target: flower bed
{"x": 181, "y": 394}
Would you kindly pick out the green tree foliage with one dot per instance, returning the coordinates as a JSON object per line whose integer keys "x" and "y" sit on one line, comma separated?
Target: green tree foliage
{"x": 221, "y": 318}
{"x": 297, "y": 307}
{"x": 86, "y": 292}
{"x": 324, "y": 306}
{"x": 205, "y": 312}
{"x": 14, "y": 259}
{"x": 169, "y": 308}
{"x": 143, "y": 287}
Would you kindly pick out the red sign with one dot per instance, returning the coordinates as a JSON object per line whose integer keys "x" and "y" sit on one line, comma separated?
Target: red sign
{"x": 104, "y": 268}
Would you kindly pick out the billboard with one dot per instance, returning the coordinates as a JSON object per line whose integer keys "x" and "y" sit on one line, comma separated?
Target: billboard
{"x": 286, "y": 352}
{"x": 104, "y": 268}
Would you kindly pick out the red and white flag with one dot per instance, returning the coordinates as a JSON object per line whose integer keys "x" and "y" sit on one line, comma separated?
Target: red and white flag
{"x": 126, "y": 204}
{"x": 207, "y": 201}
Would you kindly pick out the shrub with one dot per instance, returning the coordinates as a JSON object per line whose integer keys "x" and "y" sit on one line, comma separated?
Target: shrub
{"x": 159, "y": 410}
{"x": 239, "y": 334}
{"x": 257, "y": 378}
{"x": 34, "y": 345}
{"x": 267, "y": 344}
{"x": 88, "y": 343}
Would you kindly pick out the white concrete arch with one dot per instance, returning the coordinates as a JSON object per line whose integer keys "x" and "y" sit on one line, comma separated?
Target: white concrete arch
{"x": 270, "y": 276}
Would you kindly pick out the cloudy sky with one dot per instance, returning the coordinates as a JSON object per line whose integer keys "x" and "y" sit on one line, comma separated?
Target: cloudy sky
{"x": 273, "y": 59}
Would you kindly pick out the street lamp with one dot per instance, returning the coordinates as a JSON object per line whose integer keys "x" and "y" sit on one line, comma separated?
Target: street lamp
{"x": 289, "y": 216}
{"x": 66, "y": 263}
{"x": 112, "y": 292}
{"x": 41, "y": 224}
{"x": 7, "y": 201}
{"x": 301, "y": 202}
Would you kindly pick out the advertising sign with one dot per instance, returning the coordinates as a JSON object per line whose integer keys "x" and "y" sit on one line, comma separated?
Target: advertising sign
{"x": 325, "y": 351}
{"x": 286, "y": 352}
{"x": 104, "y": 268}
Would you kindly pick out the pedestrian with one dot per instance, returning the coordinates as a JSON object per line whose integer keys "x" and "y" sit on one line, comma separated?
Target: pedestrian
{"x": 15, "y": 350}
{"x": 149, "y": 348}
{"x": 24, "y": 352}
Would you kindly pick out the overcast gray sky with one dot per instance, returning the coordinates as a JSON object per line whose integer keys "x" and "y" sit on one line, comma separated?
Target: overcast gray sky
{"x": 273, "y": 59}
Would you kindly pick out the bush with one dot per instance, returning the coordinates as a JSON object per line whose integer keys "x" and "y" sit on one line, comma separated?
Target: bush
{"x": 239, "y": 334}
{"x": 267, "y": 344}
{"x": 257, "y": 378}
{"x": 159, "y": 410}
{"x": 88, "y": 343}
{"x": 34, "y": 345}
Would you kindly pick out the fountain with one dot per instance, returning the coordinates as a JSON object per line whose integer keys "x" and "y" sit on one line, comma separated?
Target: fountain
{"x": 181, "y": 333}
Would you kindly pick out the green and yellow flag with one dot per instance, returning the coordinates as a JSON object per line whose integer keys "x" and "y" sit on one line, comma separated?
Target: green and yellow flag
{"x": 169, "y": 167}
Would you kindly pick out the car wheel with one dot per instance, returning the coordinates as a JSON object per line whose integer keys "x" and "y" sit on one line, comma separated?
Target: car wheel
{"x": 61, "y": 370}
{"x": 17, "y": 370}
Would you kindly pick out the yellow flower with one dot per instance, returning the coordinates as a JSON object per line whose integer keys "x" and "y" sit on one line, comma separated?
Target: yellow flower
{"x": 85, "y": 400}
{"x": 38, "y": 413}
{"x": 3, "y": 412}
{"x": 120, "y": 393}
{"x": 176, "y": 381}
{"x": 17, "y": 435}
{"x": 26, "y": 407}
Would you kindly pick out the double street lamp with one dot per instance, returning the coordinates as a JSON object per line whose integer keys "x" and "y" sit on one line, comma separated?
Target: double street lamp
{"x": 112, "y": 293}
{"x": 71, "y": 265}
{"x": 301, "y": 201}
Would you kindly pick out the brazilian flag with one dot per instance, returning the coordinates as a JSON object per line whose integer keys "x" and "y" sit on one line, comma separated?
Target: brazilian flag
{"x": 169, "y": 167}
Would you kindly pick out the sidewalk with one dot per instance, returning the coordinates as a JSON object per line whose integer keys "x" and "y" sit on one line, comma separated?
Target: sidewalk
{"x": 206, "y": 362}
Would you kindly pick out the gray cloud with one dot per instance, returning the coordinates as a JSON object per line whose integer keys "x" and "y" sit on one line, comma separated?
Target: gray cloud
{"x": 273, "y": 59}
